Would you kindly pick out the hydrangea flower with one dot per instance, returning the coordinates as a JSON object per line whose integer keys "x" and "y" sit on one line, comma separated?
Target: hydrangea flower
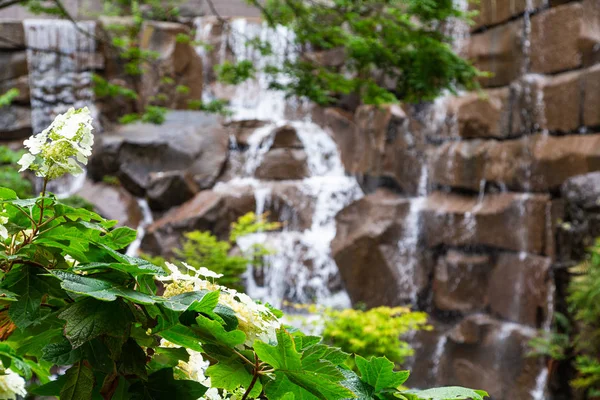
{"x": 11, "y": 385}
{"x": 3, "y": 230}
{"x": 61, "y": 147}
{"x": 255, "y": 320}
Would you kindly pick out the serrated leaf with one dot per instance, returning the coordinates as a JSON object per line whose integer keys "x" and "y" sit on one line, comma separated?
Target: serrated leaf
{"x": 162, "y": 386}
{"x": 99, "y": 289}
{"x": 281, "y": 356}
{"x": 232, "y": 373}
{"x": 183, "y": 301}
{"x": 61, "y": 353}
{"x": 448, "y": 393}
{"x": 119, "y": 238}
{"x": 361, "y": 390}
{"x": 303, "y": 341}
{"x": 91, "y": 318}
{"x": 79, "y": 383}
{"x": 379, "y": 373}
{"x": 211, "y": 331}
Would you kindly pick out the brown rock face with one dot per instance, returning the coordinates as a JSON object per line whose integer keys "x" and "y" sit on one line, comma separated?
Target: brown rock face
{"x": 537, "y": 163}
{"x": 170, "y": 189}
{"x": 15, "y": 122}
{"x": 564, "y": 37}
{"x": 591, "y": 101}
{"x": 14, "y": 65}
{"x": 112, "y": 202}
{"x": 492, "y": 12}
{"x": 178, "y": 61}
{"x": 283, "y": 164}
{"x": 499, "y": 50}
{"x": 188, "y": 141}
{"x": 12, "y": 34}
{"x": 22, "y": 85}
{"x": 456, "y": 220}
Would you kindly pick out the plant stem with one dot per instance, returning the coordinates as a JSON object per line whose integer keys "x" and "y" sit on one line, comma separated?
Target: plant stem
{"x": 41, "y": 207}
{"x": 254, "y": 377}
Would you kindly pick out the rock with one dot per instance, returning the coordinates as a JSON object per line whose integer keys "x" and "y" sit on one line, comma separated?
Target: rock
{"x": 491, "y": 353}
{"x": 188, "y": 141}
{"x": 283, "y": 164}
{"x": 286, "y": 137}
{"x": 583, "y": 190}
{"x": 539, "y": 162}
{"x": 170, "y": 189}
{"x": 22, "y": 85}
{"x": 492, "y": 12}
{"x": 481, "y": 115}
{"x": 242, "y": 130}
{"x": 112, "y": 202}
{"x": 591, "y": 99}
{"x": 12, "y": 34}
{"x": 499, "y": 51}
{"x": 525, "y": 300}
{"x": 327, "y": 58}
{"x": 563, "y": 37}
{"x": 461, "y": 281}
{"x": 178, "y": 61}
{"x": 15, "y": 123}
{"x": 14, "y": 65}
{"x": 215, "y": 210}
{"x": 457, "y": 220}
{"x": 368, "y": 233}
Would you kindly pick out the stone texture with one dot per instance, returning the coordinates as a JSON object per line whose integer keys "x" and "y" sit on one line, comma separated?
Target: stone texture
{"x": 461, "y": 281}
{"x": 492, "y": 12}
{"x": 509, "y": 221}
{"x": 188, "y": 141}
{"x": 241, "y": 130}
{"x": 286, "y": 137}
{"x": 564, "y": 37}
{"x": 112, "y": 202}
{"x": 538, "y": 162}
{"x": 15, "y": 122}
{"x": 178, "y": 61}
{"x": 215, "y": 210}
{"x": 591, "y": 100}
{"x": 477, "y": 350}
{"x": 283, "y": 164}
{"x": 499, "y": 51}
{"x": 583, "y": 190}
{"x": 12, "y": 35}
{"x": 14, "y": 65}
{"x": 170, "y": 189}
{"x": 368, "y": 232}
{"x": 22, "y": 85}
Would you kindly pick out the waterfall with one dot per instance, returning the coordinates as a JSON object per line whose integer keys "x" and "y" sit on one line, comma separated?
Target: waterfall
{"x": 147, "y": 220}
{"x": 60, "y": 57}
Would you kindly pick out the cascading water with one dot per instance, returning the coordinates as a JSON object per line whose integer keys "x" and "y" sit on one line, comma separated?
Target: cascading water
{"x": 300, "y": 269}
{"x": 60, "y": 56}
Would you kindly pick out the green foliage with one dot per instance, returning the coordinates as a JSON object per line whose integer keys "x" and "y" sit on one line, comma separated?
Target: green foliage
{"x": 234, "y": 74}
{"x": 375, "y": 332}
{"x": 7, "y": 98}
{"x": 249, "y": 223}
{"x": 152, "y": 115}
{"x": 213, "y": 106}
{"x": 102, "y": 89}
{"x": 78, "y": 202}
{"x": 9, "y": 172}
{"x": 398, "y": 42}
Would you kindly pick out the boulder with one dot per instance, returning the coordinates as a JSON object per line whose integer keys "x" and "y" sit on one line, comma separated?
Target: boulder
{"x": 188, "y": 141}
{"x": 283, "y": 164}
{"x": 583, "y": 190}
{"x": 500, "y": 51}
{"x": 564, "y": 37}
{"x": 112, "y": 202}
{"x": 242, "y": 130}
{"x": 461, "y": 281}
{"x": 14, "y": 65}
{"x": 591, "y": 98}
{"x": 15, "y": 123}
{"x": 539, "y": 162}
{"x": 508, "y": 221}
{"x": 492, "y": 12}
{"x": 493, "y": 354}
{"x": 525, "y": 300}
{"x": 215, "y": 210}
{"x": 177, "y": 60}
{"x": 170, "y": 189}
{"x": 286, "y": 137}
{"x": 12, "y": 34}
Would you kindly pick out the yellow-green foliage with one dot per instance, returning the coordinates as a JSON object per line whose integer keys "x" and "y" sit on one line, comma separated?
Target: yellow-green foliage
{"x": 375, "y": 332}
{"x": 250, "y": 223}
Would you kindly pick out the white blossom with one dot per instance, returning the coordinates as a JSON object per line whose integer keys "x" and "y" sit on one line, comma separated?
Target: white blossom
{"x": 3, "y": 230}
{"x": 11, "y": 385}
{"x": 62, "y": 147}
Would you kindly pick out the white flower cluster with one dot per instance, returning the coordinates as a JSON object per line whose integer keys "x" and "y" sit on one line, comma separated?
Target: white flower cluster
{"x": 3, "y": 230}
{"x": 61, "y": 147}
{"x": 11, "y": 385}
{"x": 255, "y": 320}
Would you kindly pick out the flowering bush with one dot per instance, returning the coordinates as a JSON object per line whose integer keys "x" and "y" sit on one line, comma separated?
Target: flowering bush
{"x": 124, "y": 328}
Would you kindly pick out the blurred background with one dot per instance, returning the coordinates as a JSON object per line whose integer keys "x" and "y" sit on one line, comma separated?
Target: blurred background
{"x": 476, "y": 209}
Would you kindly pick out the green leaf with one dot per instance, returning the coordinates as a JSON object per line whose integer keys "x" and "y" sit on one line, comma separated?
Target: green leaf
{"x": 51, "y": 388}
{"x": 79, "y": 383}
{"x": 362, "y": 390}
{"x": 447, "y": 393}
{"x": 167, "y": 357}
{"x": 132, "y": 269}
{"x": 99, "y": 289}
{"x": 61, "y": 353}
{"x": 7, "y": 295}
{"x": 97, "y": 354}
{"x": 211, "y": 331}
{"x": 183, "y": 301}
{"x": 7, "y": 194}
{"x": 133, "y": 360}
{"x": 91, "y": 318}
{"x": 162, "y": 386}
{"x": 182, "y": 336}
{"x": 119, "y": 238}
{"x": 283, "y": 356}
{"x": 379, "y": 373}
{"x": 232, "y": 373}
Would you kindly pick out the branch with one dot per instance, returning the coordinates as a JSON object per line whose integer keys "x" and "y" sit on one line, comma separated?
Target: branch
{"x": 9, "y": 3}
{"x": 215, "y": 12}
